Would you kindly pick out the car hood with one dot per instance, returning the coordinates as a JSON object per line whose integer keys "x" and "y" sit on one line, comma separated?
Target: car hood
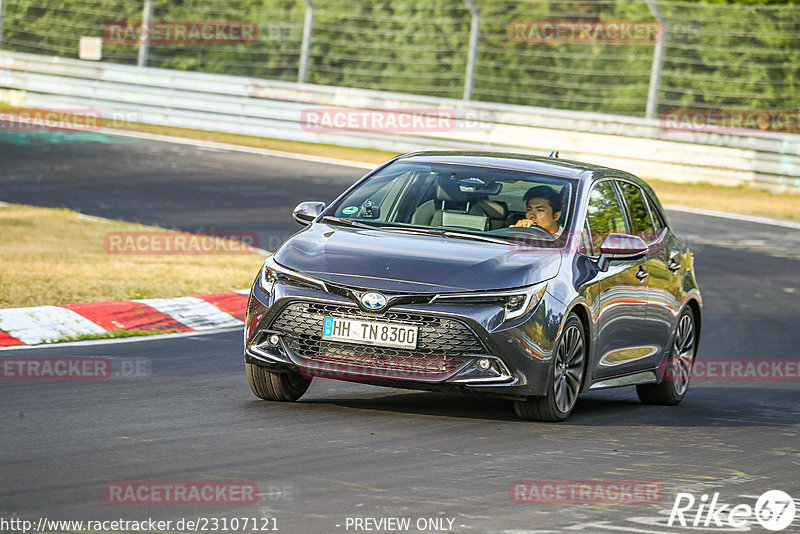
{"x": 403, "y": 262}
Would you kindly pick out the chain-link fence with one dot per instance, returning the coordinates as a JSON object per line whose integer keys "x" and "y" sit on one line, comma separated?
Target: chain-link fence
{"x": 591, "y": 55}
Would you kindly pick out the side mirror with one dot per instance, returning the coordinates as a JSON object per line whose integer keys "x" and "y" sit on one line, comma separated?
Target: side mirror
{"x": 619, "y": 247}
{"x": 305, "y": 212}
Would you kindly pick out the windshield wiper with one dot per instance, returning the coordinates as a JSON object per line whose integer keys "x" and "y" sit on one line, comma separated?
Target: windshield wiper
{"x": 476, "y": 237}
{"x": 441, "y": 232}
{"x": 351, "y": 222}
{"x": 419, "y": 230}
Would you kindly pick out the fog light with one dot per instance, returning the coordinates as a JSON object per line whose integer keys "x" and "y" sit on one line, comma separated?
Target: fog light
{"x": 274, "y": 340}
{"x": 484, "y": 363}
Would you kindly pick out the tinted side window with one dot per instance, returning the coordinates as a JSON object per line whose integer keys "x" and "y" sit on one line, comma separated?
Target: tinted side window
{"x": 638, "y": 214}
{"x": 604, "y": 215}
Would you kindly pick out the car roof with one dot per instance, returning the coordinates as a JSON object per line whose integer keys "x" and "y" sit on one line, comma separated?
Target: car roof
{"x": 562, "y": 168}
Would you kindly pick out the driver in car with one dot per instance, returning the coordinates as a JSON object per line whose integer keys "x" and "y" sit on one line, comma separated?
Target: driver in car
{"x": 542, "y": 208}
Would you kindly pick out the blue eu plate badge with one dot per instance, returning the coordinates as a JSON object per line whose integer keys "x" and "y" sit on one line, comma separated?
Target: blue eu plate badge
{"x": 326, "y": 329}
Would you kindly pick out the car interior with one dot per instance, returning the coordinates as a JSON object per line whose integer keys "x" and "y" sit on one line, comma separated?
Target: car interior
{"x": 461, "y": 198}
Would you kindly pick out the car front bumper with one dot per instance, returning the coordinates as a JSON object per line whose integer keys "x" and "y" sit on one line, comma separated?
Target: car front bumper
{"x": 463, "y": 347}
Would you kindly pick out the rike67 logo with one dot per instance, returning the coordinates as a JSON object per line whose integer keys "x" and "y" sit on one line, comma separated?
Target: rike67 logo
{"x": 774, "y": 510}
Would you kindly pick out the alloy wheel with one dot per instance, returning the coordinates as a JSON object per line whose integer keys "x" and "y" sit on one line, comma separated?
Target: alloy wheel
{"x": 683, "y": 354}
{"x": 568, "y": 369}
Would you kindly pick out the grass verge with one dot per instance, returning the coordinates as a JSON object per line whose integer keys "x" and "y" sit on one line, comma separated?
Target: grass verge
{"x": 114, "y": 334}
{"x": 57, "y": 256}
{"x": 744, "y": 199}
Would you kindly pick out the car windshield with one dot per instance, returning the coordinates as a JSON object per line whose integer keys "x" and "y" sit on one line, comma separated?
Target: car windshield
{"x": 464, "y": 201}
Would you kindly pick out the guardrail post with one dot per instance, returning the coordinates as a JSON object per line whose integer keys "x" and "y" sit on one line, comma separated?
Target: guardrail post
{"x": 658, "y": 60}
{"x": 145, "y": 33}
{"x": 305, "y": 47}
{"x": 472, "y": 55}
{"x": 2, "y": 7}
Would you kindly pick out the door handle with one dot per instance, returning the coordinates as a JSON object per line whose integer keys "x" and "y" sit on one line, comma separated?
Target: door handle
{"x": 673, "y": 266}
{"x": 641, "y": 274}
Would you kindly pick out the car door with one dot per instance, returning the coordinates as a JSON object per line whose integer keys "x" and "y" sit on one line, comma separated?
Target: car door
{"x": 670, "y": 261}
{"x": 617, "y": 298}
{"x": 653, "y": 270}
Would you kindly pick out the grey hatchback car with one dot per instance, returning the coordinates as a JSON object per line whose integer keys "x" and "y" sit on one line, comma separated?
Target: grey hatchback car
{"x": 529, "y": 278}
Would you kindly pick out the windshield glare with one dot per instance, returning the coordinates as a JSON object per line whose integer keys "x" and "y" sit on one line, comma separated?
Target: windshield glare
{"x": 464, "y": 199}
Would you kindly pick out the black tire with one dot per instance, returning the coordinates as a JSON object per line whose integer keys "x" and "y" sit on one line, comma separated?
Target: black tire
{"x": 275, "y": 386}
{"x": 568, "y": 370}
{"x": 678, "y": 371}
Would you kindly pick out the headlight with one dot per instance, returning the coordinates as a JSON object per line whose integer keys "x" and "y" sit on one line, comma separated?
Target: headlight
{"x": 268, "y": 276}
{"x": 515, "y": 302}
{"x": 520, "y": 303}
{"x": 271, "y": 272}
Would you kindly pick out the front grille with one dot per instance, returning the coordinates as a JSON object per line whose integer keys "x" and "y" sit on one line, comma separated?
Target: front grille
{"x": 441, "y": 344}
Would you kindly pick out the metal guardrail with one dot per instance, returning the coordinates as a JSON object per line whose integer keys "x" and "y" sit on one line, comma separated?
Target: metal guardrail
{"x": 275, "y": 109}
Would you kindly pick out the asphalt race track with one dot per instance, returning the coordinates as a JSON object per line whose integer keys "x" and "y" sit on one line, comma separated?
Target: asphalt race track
{"x": 351, "y": 451}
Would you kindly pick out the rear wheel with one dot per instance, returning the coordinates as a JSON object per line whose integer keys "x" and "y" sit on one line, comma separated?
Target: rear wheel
{"x": 275, "y": 386}
{"x": 565, "y": 380}
{"x": 679, "y": 366}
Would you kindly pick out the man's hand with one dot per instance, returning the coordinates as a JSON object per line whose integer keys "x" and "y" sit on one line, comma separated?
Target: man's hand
{"x": 528, "y": 223}
{"x": 523, "y": 223}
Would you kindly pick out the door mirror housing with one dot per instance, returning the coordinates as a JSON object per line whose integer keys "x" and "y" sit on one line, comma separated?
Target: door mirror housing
{"x": 621, "y": 247}
{"x": 305, "y": 212}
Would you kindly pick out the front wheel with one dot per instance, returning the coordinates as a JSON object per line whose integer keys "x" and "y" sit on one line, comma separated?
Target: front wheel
{"x": 565, "y": 380}
{"x": 275, "y": 386}
{"x": 679, "y": 366}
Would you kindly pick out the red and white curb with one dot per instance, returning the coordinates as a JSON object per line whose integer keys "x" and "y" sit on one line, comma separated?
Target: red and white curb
{"x": 43, "y": 324}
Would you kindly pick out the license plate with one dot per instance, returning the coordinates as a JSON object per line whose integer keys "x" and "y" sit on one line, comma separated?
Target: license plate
{"x": 402, "y": 336}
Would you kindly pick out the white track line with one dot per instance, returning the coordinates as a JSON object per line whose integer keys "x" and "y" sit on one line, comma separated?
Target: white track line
{"x": 240, "y": 148}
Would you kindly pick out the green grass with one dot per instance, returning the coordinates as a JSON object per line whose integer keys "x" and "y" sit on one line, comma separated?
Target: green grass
{"x": 110, "y": 335}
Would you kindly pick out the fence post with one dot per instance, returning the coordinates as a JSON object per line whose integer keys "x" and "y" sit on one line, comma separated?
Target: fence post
{"x": 2, "y": 8}
{"x": 305, "y": 47}
{"x": 145, "y": 33}
{"x": 472, "y": 55}
{"x": 658, "y": 60}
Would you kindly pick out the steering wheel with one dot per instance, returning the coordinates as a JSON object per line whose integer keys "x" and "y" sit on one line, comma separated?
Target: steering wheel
{"x": 536, "y": 227}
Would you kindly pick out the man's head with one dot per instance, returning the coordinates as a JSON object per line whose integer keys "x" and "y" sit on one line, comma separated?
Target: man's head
{"x": 543, "y": 207}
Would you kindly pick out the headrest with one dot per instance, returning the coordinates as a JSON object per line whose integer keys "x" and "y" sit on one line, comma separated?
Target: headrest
{"x": 449, "y": 191}
{"x": 494, "y": 209}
